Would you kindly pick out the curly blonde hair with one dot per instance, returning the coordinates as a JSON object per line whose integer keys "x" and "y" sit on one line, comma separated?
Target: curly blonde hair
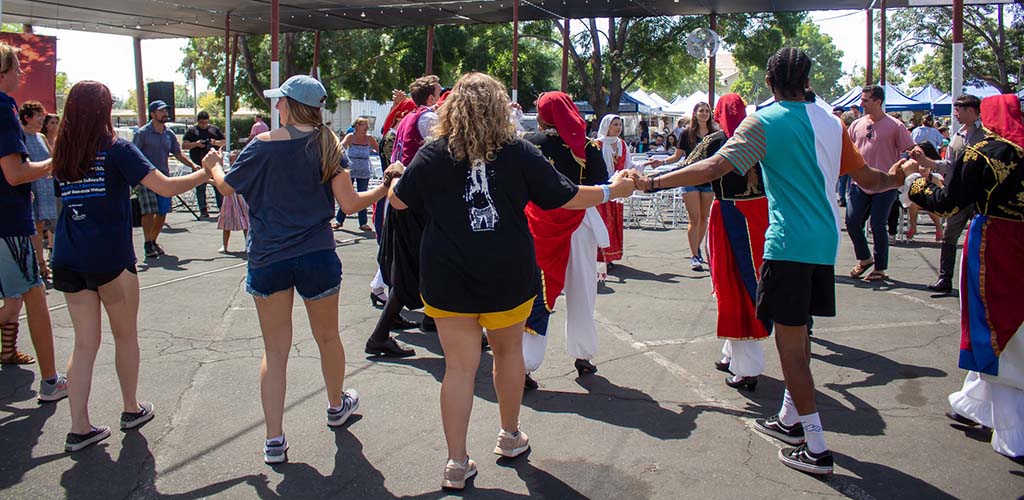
{"x": 475, "y": 118}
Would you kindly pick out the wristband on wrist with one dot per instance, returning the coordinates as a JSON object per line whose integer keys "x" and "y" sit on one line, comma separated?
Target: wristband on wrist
{"x": 607, "y": 191}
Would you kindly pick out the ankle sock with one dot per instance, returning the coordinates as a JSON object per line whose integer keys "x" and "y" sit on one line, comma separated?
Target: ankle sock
{"x": 814, "y": 435}
{"x": 788, "y": 414}
{"x": 277, "y": 441}
{"x": 725, "y": 360}
{"x": 52, "y": 380}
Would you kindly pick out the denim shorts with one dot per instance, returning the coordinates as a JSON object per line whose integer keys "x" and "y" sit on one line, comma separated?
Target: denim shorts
{"x": 703, "y": 188}
{"x": 19, "y": 271}
{"x": 314, "y": 275}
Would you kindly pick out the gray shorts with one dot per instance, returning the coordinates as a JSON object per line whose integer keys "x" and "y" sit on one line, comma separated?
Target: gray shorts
{"x": 19, "y": 271}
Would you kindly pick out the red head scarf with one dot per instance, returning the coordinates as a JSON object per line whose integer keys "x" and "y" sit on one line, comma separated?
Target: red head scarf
{"x": 396, "y": 114}
{"x": 440, "y": 100}
{"x": 556, "y": 108}
{"x": 730, "y": 112}
{"x": 1001, "y": 114}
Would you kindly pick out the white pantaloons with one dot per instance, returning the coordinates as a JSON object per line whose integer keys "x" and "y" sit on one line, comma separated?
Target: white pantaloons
{"x": 746, "y": 357}
{"x": 994, "y": 405}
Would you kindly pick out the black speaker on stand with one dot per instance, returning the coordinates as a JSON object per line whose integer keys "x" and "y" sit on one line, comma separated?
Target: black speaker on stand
{"x": 161, "y": 91}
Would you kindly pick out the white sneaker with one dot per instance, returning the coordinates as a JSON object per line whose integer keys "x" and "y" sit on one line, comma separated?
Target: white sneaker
{"x": 56, "y": 391}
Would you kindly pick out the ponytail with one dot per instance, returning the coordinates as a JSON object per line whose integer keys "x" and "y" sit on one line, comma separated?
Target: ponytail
{"x": 330, "y": 152}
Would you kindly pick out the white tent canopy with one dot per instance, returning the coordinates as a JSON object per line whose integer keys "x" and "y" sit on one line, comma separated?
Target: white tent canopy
{"x": 684, "y": 106}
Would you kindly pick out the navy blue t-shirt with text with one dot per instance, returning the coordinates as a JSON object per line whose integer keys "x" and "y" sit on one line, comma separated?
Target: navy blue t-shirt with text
{"x": 15, "y": 201}
{"x": 94, "y": 228}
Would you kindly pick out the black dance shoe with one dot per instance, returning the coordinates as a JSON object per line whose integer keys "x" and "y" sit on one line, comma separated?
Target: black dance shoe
{"x": 388, "y": 349}
{"x": 376, "y": 301}
{"x": 941, "y": 285}
{"x": 530, "y": 384}
{"x": 723, "y": 367}
{"x": 401, "y": 323}
{"x": 747, "y": 383}
{"x": 584, "y": 367}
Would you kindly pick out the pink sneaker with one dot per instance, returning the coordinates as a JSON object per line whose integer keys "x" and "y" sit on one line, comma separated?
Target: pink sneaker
{"x": 510, "y": 445}
{"x": 456, "y": 474}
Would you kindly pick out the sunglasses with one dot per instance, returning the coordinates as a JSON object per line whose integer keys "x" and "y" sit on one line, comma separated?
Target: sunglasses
{"x": 871, "y": 132}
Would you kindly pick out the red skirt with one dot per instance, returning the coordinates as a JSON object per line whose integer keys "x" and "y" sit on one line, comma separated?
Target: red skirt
{"x": 611, "y": 214}
{"x": 552, "y": 233}
{"x": 736, "y": 250}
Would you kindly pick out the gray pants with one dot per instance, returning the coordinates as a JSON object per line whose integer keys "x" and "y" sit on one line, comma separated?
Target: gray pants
{"x": 950, "y": 237}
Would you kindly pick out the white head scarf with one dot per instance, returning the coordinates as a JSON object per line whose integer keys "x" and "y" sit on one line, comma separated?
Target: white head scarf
{"x": 611, "y": 146}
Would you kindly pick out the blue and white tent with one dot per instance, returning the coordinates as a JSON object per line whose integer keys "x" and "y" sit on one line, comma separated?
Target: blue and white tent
{"x": 944, "y": 105}
{"x": 928, "y": 93}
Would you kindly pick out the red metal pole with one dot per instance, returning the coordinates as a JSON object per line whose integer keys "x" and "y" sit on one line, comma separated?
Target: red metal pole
{"x": 565, "y": 57}
{"x": 315, "y": 71}
{"x": 882, "y": 44}
{"x": 140, "y": 91}
{"x": 869, "y": 76}
{"x": 711, "y": 66}
{"x": 515, "y": 50}
{"x": 430, "y": 50}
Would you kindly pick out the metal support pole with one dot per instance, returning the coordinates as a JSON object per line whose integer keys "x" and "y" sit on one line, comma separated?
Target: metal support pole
{"x": 565, "y": 57}
{"x": 275, "y": 65}
{"x": 869, "y": 77}
{"x": 956, "y": 89}
{"x": 430, "y": 51}
{"x": 515, "y": 50}
{"x": 140, "y": 91}
{"x": 712, "y": 77}
{"x": 882, "y": 46}
{"x": 229, "y": 81}
{"x": 315, "y": 70}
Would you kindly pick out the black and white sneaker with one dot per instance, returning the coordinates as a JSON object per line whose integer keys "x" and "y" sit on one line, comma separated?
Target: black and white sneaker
{"x": 131, "y": 420}
{"x": 150, "y": 250}
{"x": 804, "y": 460}
{"x": 773, "y": 427}
{"x": 75, "y": 442}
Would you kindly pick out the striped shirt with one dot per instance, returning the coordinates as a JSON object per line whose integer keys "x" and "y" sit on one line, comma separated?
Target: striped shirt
{"x": 803, "y": 150}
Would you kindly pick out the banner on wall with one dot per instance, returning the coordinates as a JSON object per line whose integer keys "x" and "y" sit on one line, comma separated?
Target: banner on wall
{"x": 38, "y": 60}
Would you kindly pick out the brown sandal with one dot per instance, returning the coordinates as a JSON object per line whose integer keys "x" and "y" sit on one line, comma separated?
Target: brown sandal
{"x": 876, "y": 275}
{"x": 860, "y": 269}
{"x": 10, "y": 355}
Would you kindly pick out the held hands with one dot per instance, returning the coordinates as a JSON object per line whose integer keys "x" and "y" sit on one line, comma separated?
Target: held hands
{"x": 394, "y": 171}
{"x": 653, "y": 163}
{"x": 917, "y": 154}
{"x": 621, "y": 184}
{"x": 212, "y": 160}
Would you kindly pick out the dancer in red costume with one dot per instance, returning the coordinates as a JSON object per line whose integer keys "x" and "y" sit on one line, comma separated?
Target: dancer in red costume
{"x": 616, "y": 158}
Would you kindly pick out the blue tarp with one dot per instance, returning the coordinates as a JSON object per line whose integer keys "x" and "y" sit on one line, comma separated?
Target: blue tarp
{"x": 944, "y": 105}
{"x": 894, "y": 100}
{"x": 627, "y": 104}
{"x": 928, "y": 93}
{"x": 850, "y": 98}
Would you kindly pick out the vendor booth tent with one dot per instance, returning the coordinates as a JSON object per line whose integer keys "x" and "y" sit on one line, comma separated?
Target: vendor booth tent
{"x": 928, "y": 93}
{"x": 943, "y": 106}
{"x": 894, "y": 100}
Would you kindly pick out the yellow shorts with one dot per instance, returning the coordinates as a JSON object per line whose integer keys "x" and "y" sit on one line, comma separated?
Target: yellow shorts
{"x": 491, "y": 320}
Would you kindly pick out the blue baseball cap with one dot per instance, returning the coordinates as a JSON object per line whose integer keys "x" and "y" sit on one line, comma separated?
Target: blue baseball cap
{"x": 301, "y": 88}
{"x": 157, "y": 105}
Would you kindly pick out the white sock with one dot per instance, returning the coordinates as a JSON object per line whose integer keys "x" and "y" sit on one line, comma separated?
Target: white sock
{"x": 814, "y": 435}
{"x": 788, "y": 414}
{"x": 735, "y": 378}
{"x": 277, "y": 441}
{"x": 725, "y": 360}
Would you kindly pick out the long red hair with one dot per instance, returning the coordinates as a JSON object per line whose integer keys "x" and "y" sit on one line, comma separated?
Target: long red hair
{"x": 84, "y": 131}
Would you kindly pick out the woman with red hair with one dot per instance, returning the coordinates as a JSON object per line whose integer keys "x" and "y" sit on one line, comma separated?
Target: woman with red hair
{"x": 93, "y": 255}
{"x": 566, "y": 241}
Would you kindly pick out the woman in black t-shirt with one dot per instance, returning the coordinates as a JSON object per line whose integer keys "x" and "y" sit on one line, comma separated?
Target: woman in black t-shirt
{"x": 477, "y": 261}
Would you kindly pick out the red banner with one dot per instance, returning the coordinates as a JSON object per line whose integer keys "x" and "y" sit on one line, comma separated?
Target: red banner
{"x": 38, "y": 59}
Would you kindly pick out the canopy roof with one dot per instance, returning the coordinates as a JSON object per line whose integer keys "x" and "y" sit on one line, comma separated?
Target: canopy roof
{"x": 928, "y": 93}
{"x": 894, "y": 100}
{"x": 203, "y": 18}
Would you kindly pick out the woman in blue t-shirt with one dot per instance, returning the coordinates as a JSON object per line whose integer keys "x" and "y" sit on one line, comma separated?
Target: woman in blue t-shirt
{"x": 290, "y": 178}
{"x": 93, "y": 255}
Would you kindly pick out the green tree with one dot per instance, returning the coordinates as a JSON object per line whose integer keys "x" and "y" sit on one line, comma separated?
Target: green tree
{"x": 858, "y": 75}
{"x": 183, "y": 96}
{"x": 369, "y": 63}
{"x": 993, "y": 47}
{"x": 826, "y": 71}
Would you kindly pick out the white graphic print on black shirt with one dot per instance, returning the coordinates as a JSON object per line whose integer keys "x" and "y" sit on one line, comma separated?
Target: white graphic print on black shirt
{"x": 482, "y": 214}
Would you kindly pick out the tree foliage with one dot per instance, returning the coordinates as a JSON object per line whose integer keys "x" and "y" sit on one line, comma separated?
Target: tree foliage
{"x": 992, "y": 52}
{"x": 369, "y": 63}
{"x": 826, "y": 70}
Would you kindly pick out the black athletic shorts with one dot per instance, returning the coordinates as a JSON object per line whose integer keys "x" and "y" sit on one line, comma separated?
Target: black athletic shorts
{"x": 71, "y": 281}
{"x": 789, "y": 293}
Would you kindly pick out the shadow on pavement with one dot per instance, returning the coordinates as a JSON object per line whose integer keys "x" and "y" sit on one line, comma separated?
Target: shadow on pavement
{"x": 880, "y": 481}
{"x": 20, "y": 428}
{"x": 626, "y": 273}
{"x": 133, "y": 475}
